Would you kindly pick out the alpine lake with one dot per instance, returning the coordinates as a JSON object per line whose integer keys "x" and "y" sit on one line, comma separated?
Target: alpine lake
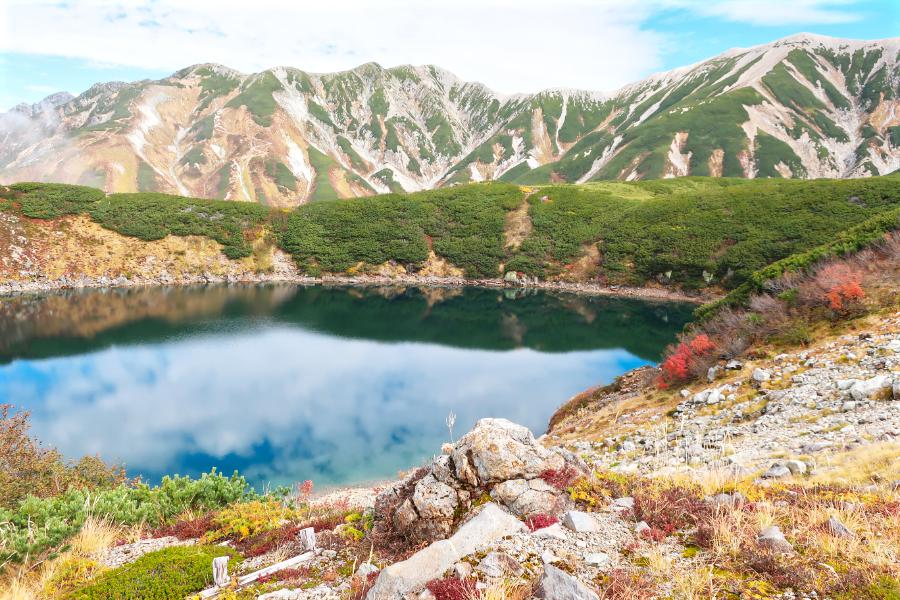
{"x": 340, "y": 385}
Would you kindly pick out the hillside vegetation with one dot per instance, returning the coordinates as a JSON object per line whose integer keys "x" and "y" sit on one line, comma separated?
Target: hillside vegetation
{"x": 689, "y": 233}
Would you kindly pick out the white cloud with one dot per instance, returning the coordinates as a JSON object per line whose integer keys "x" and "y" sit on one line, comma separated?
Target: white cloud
{"x": 777, "y": 12}
{"x": 511, "y": 46}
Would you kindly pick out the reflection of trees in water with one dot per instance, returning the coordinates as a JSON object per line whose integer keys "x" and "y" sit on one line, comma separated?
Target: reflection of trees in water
{"x": 87, "y": 313}
{"x": 78, "y": 321}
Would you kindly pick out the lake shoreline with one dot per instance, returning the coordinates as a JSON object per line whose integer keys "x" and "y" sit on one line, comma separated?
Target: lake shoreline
{"x": 15, "y": 288}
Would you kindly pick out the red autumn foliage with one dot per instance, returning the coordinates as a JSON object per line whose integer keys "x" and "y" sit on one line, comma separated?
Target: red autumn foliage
{"x": 561, "y": 479}
{"x": 670, "y": 510}
{"x": 841, "y": 286}
{"x": 656, "y": 534}
{"x": 540, "y": 521}
{"x": 359, "y": 586}
{"x": 451, "y": 588}
{"x": 701, "y": 345}
{"x": 187, "y": 529}
{"x": 304, "y": 490}
{"x": 677, "y": 365}
{"x": 625, "y": 584}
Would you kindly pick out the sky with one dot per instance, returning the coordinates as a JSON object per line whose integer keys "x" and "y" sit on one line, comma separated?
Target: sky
{"x": 510, "y": 45}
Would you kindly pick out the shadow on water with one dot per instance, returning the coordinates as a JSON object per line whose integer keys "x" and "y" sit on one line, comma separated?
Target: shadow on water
{"x": 65, "y": 323}
{"x": 285, "y": 383}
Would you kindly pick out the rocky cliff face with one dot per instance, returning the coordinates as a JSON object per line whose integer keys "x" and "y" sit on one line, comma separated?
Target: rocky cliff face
{"x": 804, "y": 106}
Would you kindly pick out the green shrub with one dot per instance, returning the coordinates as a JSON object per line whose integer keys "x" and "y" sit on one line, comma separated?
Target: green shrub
{"x": 465, "y": 225}
{"x": 173, "y": 572}
{"x": 39, "y": 525}
{"x": 52, "y": 200}
{"x": 842, "y": 243}
{"x": 152, "y": 216}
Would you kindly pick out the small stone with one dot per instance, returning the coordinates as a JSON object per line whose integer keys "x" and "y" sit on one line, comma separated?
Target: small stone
{"x": 425, "y": 595}
{"x": 556, "y": 584}
{"x": 580, "y": 522}
{"x": 734, "y": 365}
{"x": 641, "y": 527}
{"x": 735, "y": 499}
{"x": 760, "y": 375}
{"x": 548, "y": 557}
{"x": 499, "y": 564}
{"x": 772, "y": 538}
{"x": 815, "y": 447}
{"x": 462, "y": 570}
{"x": 796, "y": 467}
{"x": 776, "y": 471}
{"x": 597, "y": 559}
{"x": 624, "y": 503}
{"x": 862, "y": 390}
{"x": 685, "y": 393}
{"x": 366, "y": 569}
{"x": 838, "y": 529}
{"x": 555, "y": 531}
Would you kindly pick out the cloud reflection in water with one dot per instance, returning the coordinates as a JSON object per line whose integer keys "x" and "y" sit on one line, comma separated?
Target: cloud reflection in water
{"x": 283, "y": 404}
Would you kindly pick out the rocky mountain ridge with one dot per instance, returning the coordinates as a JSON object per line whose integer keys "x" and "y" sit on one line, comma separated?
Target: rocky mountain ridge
{"x": 803, "y": 106}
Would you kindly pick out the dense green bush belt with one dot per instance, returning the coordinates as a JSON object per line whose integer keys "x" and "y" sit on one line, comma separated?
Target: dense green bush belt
{"x": 689, "y": 231}
{"x": 40, "y": 524}
{"x": 846, "y": 242}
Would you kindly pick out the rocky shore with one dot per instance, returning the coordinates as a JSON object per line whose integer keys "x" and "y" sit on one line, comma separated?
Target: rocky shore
{"x": 84, "y": 282}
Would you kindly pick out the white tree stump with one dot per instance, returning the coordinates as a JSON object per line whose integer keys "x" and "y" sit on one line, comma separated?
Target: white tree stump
{"x": 307, "y": 538}
{"x": 220, "y": 571}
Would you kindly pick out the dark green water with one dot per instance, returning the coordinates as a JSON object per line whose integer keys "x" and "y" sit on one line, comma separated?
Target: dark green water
{"x": 287, "y": 383}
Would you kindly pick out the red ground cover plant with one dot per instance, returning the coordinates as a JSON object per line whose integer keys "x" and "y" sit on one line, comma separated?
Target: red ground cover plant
{"x": 540, "y": 521}
{"x": 451, "y": 588}
{"x": 561, "y": 479}
{"x": 624, "y": 584}
{"x": 287, "y": 575}
{"x": 669, "y": 510}
{"x": 680, "y": 364}
{"x": 188, "y": 529}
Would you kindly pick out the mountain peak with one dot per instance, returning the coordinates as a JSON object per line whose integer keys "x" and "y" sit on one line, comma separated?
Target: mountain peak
{"x": 802, "y": 106}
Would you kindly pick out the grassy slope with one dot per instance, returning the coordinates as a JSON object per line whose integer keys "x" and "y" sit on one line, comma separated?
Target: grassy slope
{"x": 691, "y": 232}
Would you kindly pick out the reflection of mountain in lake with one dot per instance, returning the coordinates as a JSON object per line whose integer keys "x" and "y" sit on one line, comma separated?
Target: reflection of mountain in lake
{"x": 77, "y": 322}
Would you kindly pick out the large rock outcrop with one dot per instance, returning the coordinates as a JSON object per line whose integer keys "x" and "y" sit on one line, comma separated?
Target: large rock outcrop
{"x": 497, "y": 458}
{"x": 489, "y": 525}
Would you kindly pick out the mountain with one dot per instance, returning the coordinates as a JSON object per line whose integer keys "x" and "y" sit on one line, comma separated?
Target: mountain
{"x": 803, "y": 107}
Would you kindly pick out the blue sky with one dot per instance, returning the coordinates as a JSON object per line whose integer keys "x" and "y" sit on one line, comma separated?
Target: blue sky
{"x": 510, "y": 45}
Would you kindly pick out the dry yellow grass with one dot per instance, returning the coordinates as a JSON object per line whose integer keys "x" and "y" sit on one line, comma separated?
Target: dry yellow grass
{"x": 866, "y": 464}
{"x": 504, "y": 589}
{"x": 41, "y": 581}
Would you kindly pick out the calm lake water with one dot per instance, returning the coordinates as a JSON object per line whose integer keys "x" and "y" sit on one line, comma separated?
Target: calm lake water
{"x": 287, "y": 383}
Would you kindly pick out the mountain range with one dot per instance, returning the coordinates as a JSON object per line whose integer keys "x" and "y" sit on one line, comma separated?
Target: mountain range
{"x": 805, "y": 106}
